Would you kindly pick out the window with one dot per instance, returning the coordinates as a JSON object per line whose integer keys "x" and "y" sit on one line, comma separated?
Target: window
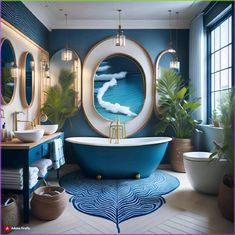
{"x": 219, "y": 62}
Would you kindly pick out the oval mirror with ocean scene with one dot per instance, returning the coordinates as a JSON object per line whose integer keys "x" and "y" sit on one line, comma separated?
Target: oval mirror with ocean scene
{"x": 119, "y": 90}
{"x": 8, "y": 81}
{"x": 28, "y": 76}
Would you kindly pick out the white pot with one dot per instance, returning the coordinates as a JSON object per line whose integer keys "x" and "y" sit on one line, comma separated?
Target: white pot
{"x": 204, "y": 175}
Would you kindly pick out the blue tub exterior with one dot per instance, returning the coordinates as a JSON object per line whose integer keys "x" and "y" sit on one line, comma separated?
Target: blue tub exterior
{"x": 118, "y": 162}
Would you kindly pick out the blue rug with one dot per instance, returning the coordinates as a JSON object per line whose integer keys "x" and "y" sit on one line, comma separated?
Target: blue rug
{"x": 118, "y": 200}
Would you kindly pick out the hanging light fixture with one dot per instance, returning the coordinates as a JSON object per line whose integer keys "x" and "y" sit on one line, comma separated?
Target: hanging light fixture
{"x": 120, "y": 39}
{"x": 66, "y": 54}
{"x": 175, "y": 64}
{"x": 14, "y": 70}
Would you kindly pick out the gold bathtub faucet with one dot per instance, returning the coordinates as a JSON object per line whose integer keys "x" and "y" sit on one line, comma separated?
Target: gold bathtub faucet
{"x": 117, "y": 131}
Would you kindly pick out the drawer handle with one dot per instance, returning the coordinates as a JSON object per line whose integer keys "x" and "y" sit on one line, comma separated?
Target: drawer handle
{"x": 37, "y": 153}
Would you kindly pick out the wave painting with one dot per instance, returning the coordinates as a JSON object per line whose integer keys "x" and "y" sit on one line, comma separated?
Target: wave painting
{"x": 119, "y": 89}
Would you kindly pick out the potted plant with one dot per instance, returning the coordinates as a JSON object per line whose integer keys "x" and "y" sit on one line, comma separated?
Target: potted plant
{"x": 215, "y": 118}
{"x": 60, "y": 102}
{"x": 176, "y": 114}
{"x": 226, "y": 151}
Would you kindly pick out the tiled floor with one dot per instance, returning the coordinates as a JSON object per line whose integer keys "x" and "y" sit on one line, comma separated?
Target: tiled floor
{"x": 185, "y": 212}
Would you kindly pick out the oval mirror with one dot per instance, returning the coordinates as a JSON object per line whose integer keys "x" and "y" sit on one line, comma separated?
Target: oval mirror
{"x": 28, "y": 79}
{"x": 163, "y": 61}
{"x": 74, "y": 66}
{"x": 119, "y": 91}
{"x": 8, "y": 80}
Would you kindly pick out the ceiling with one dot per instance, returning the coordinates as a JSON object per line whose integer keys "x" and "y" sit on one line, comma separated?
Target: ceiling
{"x": 103, "y": 15}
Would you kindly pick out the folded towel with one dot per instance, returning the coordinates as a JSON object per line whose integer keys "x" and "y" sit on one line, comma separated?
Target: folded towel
{"x": 42, "y": 165}
{"x": 12, "y": 170}
{"x": 57, "y": 153}
{"x": 32, "y": 183}
{"x": 33, "y": 171}
{"x": 15, "y": 181}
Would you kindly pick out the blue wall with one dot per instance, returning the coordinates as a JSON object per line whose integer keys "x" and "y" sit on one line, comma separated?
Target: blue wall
{"x": 81, "y": 41}
{"x": 20, "y": 17}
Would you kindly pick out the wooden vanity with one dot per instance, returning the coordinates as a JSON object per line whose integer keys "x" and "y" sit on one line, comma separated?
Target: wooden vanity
{"x": 16, "y": 154}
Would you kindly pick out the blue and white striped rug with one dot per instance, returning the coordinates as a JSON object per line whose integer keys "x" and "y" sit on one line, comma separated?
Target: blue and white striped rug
{"x": 118, "y": 200}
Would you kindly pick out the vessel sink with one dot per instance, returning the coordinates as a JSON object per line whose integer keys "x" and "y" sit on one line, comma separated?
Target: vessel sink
{"x": 48, "y": 129}
{"x": 29, "y": 136}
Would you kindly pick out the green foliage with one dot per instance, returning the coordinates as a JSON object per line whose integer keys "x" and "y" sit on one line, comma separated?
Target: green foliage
{"x": 60, "y": 103}
{"x": 7, "y": 84}
{"x": 174, "y": 107}
{"x": 226, "y": 149}
{"x": 215, "y": 118}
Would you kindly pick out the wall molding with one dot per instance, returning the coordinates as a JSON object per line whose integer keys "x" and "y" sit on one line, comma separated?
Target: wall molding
{"x": 126, "y": 24}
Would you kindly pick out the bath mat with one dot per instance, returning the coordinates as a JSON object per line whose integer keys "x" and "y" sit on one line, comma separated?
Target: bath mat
{"x": 118, "y": 200}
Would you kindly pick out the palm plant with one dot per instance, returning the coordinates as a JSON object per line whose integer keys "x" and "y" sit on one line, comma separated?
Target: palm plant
{"x": 60, "y": 102}
{"x": 173, "y": 105}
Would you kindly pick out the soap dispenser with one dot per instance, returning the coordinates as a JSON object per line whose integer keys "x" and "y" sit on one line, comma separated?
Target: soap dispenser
{"x": 3, "y": 132}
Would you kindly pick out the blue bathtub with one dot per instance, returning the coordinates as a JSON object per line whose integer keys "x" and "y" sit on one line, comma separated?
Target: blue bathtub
{"x": 132, "y": 156}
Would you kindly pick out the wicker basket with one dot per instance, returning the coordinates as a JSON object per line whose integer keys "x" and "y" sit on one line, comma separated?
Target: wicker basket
{"x": 48, "y": 202}
{"x": 10, "y": 213}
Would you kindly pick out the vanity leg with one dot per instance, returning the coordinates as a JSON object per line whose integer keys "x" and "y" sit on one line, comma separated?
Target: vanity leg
{"x": 26, "y": 207}
{"x": 26, "y": 193}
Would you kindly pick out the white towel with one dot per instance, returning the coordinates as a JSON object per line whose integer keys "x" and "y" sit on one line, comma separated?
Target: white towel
{"x": 57, "y": 154}
{"x": 42, "y": 165}
{"x": 33, "y": 171}
{"x": 12, "y": 170}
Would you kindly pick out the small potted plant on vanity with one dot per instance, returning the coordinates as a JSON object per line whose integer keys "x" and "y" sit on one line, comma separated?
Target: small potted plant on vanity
{"x": 60, "y": 102}
{"x": 176, "y": 114}
{"x": 226, "y": 151}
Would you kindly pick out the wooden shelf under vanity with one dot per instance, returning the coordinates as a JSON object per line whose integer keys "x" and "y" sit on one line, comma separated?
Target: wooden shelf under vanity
{"x": 16, "y": 154}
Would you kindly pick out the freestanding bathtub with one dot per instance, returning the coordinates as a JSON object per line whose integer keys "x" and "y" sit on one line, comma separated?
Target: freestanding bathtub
{"x": 97, "y": 157}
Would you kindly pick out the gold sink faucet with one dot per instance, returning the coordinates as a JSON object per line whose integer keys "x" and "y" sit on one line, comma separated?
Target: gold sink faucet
{"x": 15, "y": 121}
{"x": 117, "y": 131}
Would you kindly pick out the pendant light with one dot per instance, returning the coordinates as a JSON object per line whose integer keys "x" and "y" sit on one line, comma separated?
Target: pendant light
{"x": 120, "y": 39}
{"x": 175, "y": 64}
{"x": 66, "y": 54}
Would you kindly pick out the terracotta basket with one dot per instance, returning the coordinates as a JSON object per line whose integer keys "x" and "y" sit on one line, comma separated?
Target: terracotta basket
{"x": 10, "y": 213}
{"x": 225, "y": 201}
{"x": 177, "y": 148}
{"x": 46, "y": 207}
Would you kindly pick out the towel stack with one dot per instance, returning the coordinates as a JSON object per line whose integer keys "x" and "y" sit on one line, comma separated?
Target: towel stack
{"x": 43, "y": 165}
{"x": 13, "y": 178}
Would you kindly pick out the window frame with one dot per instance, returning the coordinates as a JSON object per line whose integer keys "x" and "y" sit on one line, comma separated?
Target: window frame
{"x": 208, "y": 33}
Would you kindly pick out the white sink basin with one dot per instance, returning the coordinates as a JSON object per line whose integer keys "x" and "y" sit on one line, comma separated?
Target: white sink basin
{"x": 48, "y": 129}
{"x": 29, "y": 136}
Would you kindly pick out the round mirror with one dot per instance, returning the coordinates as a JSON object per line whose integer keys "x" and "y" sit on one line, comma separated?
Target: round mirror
{"x": 119, "y": 91}
{"x": 8, "y": 80}
{"x": 28, "y": 83}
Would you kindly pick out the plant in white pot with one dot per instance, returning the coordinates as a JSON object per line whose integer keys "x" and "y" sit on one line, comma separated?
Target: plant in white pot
{"x": 176, "y": 111}
{"x": 226, "y": 151}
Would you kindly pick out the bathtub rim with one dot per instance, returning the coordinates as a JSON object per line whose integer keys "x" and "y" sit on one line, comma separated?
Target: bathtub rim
{"x": 74, "y": 140}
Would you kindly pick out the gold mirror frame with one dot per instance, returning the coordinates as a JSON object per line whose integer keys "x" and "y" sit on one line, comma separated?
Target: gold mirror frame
{"x": 99, "y": 52}
{"x": 3, "y": 102}
{"x": 157, "y": 72}
{"x": 23, "y": 80}
{"x": 143, "y": 80}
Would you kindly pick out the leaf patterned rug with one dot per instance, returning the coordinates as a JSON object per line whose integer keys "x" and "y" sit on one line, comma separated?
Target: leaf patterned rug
{"x": 118, "y": 200}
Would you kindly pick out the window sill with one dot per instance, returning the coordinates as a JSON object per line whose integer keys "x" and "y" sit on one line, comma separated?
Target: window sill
{"x": 210, "y": 126}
